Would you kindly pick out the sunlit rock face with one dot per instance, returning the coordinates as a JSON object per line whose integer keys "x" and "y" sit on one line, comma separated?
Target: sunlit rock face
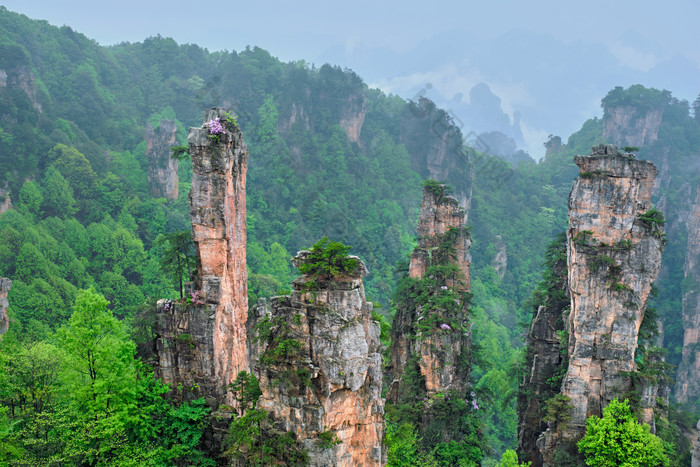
{"x": 613, "y": 255}
{"x": 162, "y": 169}
{"x": 5, "y": 285}
{"x": 202, "y": 341}
{"x": 688, "y": 378}
{"x": 332, "y": 381}
{"x": 441, "y": 352}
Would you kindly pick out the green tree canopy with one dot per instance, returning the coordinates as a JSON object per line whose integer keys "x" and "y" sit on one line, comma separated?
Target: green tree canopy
{"x": 618, "y": 440}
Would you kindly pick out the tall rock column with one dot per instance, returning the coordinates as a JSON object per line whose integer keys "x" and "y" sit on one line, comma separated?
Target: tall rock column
{"x": 688, "y": 378}
{"x": 316, "y": 355}
{"x": 162, "y": 169}
{"x": 202, "y": 343}
{"x": 5, "y": 285}
{"x": 432, "y": 334}
{"x": 614, "y": 253}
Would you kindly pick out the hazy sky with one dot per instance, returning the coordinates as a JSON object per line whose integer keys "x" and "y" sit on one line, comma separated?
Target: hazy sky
{"x": 400, "y": 46}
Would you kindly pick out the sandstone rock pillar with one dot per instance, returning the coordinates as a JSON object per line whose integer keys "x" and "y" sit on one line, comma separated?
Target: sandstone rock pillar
{"x": 328, "y": 381}
{"x": 162, "y": 169}
{"x": 5, "y": 285}
{"x": 439, "y": 339}
{"x": 614, "y": 254}
{"x": 688, "y": 378}
{"x": 202, "y": 344}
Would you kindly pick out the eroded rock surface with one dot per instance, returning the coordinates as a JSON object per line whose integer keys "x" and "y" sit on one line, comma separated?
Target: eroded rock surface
{"x": 630, "y": 126}
{"x": 544, "y": 360}
{"x": 5, "y": 285}
{"x": 613, "y": 257}
{"x": 331, "y": 380}
{"x": 162, "y": 169}
{"x": 437, "y": 340}
{"x": 202, "y": 345}
{"x": 688, "y": 378}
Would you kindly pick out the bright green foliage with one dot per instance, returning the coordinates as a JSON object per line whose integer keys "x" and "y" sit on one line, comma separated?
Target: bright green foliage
{"x": 58, "y": 195}
{"x": 618, "y": 440}
{"x": 328, "y": 260}
{"x": 30, "y": 198}
{"x": 653, "y": 217}
{"x": 510, "y": 459}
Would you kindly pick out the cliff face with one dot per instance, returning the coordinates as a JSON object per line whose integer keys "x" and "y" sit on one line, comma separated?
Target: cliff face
{"x": 5, "y": 202}
{"x": 162, "y": 169}
{"x": 688, "y": 378}
{"x": 316, "y": 354}
{"x": 435, "y": 334}
{"x": 629, "y": 126}
{"x": 545, "y": 359}
{"x": 21, "y": 76}
{"x": 203, "y": 344}
{"x": 5, "y": 285}
{"x": 353, "y": 117}
{"x": 613, "y": 256}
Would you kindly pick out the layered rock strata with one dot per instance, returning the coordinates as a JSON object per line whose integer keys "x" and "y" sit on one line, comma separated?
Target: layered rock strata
{"x": 688, "y": 377}
{"x": 613, "y": 255}
{"x": 162, "y": 169}
{"x": 316, "y": 355}
{"x": 202, "y": 342}
{"x": 5, "y": 285}
{"x": 435, "y": 339}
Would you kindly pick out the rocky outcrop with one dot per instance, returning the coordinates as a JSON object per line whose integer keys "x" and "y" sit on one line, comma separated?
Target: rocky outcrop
{"x": 629, "y": 126}
{"x": 316, "y": 355}
{"x": 500, "y": 261}
{"x": 352, "y": 117}
{"x": 21, "y": 76}
{"x": 434, "y": 334}
{"x": 5, "y": 202}
{"x": 5, "y": 285}
{"x": 688, "y": 377}
{"x": 202, "y": 344}
{"x": 545, "y": 360}
{"x": 162, "y": 169}
{"x": 614, "y": 254}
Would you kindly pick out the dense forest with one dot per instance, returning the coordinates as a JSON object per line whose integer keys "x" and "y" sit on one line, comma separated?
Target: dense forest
{"x": 89, "y": 248}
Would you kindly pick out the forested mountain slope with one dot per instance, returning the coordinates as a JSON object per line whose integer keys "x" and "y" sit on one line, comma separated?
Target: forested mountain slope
{"x": 328, "y": 156}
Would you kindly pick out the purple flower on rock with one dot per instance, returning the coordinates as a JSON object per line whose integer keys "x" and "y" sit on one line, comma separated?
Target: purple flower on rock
{"x": 215, "y": 127}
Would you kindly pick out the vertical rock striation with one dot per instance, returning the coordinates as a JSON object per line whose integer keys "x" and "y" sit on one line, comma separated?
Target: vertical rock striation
{"x": 628, "y": 125}
{"x": 544, "y": 362}
{"x": 688, "y": 378}
{"x": 614, "y": 254}
{"x": 316, "y": 355}
{"x": 5, "y": 285}
{"x": 202, "y": 345}
{"x": 162, "y": 169}
{"x": 435, "y": 334}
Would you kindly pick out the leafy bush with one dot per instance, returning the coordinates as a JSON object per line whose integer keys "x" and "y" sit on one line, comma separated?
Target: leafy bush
{"x": 328, "y": 260}
{"x": 618, "y": 439}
